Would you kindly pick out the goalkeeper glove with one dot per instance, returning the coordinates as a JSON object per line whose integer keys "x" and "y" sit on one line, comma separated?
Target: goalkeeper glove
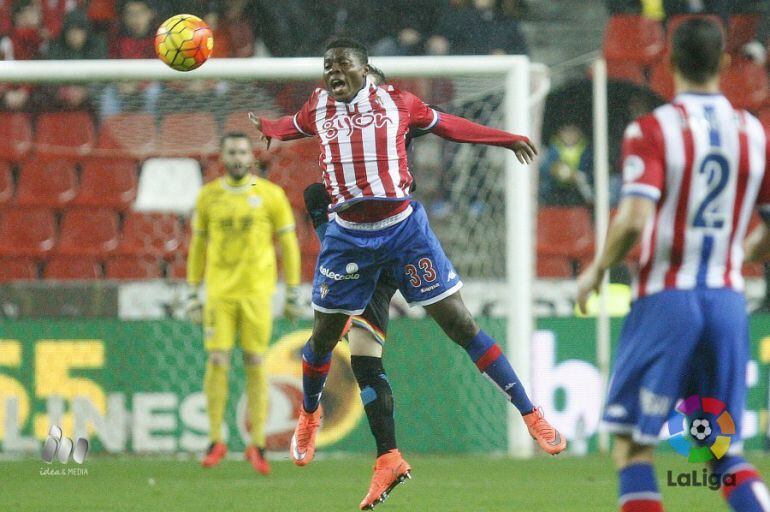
{"x": 193, "y": 308}
{"x": 293, "y": 309}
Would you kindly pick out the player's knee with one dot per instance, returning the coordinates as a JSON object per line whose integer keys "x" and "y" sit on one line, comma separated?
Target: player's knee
{"x": 252, "y": 359}
{"x": 626, "y": 452}
{"x": 219, "y": 358}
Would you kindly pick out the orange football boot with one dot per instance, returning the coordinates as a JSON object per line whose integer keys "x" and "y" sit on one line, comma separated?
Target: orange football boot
{"x": 541, "y": 431}
{"x": 390, "y": 470}
{"x": 258, "y": 462}
{"x": 303, "y": 441}
{"x": 214, "y": 454}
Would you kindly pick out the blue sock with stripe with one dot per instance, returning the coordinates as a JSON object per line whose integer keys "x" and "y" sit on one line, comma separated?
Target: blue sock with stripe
{"x": 743, "y": 487}
{"x": 491, "y": 361}
{"x": 315, "y": 369}
{"x": 639, "y": 489}
{"x": 377, "y": 397}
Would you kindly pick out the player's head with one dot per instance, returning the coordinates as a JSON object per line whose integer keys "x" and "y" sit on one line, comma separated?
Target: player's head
{"x": 346, "y": 64}
{"x": 237, "y": 154}
{"x": 377, "y": 75}
{"x": 697, "y": 53}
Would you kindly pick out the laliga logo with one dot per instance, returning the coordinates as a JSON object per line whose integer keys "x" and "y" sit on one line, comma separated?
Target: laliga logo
{"x": 346, "y": 124}
{"x": 708, "y": 421}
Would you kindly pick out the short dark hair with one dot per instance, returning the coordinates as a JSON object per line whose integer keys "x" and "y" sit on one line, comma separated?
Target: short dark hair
{"x": 697, "y": 49}
{"x": 350, "y": 44}
{"x": 375, "y": 71}
{"x": 234, "y": 135}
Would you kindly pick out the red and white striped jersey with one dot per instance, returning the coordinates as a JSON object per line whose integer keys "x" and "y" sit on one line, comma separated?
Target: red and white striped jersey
{"x": 363, "y": 149}
{"x": 703, "y": 163}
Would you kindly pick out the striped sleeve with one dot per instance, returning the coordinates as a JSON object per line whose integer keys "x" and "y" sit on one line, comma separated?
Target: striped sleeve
{"x": 644, "y": 159}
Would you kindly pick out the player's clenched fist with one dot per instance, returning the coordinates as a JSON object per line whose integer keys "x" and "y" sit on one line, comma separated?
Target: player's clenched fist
{"x": 257, "y": 122}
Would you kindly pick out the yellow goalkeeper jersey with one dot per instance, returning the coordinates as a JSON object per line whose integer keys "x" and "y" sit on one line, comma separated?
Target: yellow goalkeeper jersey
{"x": 233, "y": 228}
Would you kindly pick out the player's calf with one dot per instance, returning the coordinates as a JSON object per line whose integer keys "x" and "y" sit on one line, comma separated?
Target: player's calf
{"x": 638, "y": 487}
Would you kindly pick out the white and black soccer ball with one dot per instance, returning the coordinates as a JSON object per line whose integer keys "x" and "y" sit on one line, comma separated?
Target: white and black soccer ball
{"x": 700, "y": 429}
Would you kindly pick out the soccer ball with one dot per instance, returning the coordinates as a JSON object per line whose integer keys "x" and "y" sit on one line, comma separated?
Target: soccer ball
{"x": 184, "y": 42}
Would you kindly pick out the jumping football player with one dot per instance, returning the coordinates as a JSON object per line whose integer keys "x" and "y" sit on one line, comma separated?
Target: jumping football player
{"x": 235, "y": 219}
{"x": 379, "y": 228}
{"x": 366, "y": 337}
{"x": 693, "y": 171}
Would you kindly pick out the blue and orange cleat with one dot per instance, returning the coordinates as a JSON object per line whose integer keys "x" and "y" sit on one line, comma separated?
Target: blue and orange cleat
{"x": 215, "y": 454}
{"x": 257, "y": 459}
{"x": 549, "y": 439}
{"x": 302, "y": 447}
{"x": 390, "y": 470}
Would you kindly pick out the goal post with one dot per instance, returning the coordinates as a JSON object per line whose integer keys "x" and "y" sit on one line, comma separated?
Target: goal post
{"x": 505, "y": 79}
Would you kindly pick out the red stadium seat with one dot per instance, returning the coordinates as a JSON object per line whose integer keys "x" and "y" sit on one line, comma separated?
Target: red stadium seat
{"x": 107, "y": 183}
{"x": 88, "y": 232}
{"x": 754, "y": 270}
{"x": 6, "y": 183}
{"x": 213, "y": 170}
{"x": 27, "y": 232}
{"x": 189, "y": 134}
{"x": 631, "y": 37}
{"x": 554, "y": 267}
{"x": 65, "y": 134}
{"x": 128, "y": 135}
{"x": 15, "y": 136}
{"x": 17, "y": 269}
{"x": 661, "y": 79}
{"x": 293, "y": 167}
{"x": 564, "y": 231}
{"x": 626, "y": 70}
{"x": 46, "y": 183}
{"x": 177, "y": 267}
{"x": 156, "y": 234}
{"x": 745, "y": 83}
{"x": 240, "y": 122}
{"x": 133, "y": 267}
{"x": 71, "y": 268}
{"x": 742, "y": 29}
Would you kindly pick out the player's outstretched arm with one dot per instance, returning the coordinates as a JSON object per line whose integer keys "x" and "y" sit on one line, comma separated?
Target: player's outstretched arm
{"x": 757, "y": 244}
{"x": 459, "y": 129}
{"x": 624, "y": 232}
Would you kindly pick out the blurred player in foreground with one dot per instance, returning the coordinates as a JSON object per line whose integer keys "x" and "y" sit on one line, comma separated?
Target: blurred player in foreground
{"x": 378, "y": 228}
{"x": 236, "y": 217}
{"x": 693, "y": 170}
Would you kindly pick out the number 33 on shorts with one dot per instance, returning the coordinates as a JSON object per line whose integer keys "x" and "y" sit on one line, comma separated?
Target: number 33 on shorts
{"x": 426, "y": 273}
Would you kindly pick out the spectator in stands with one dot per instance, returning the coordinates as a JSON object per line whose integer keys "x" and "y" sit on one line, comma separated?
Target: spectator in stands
{"x": 566, "y": 169}
{"x": 406, "y": 35}
{"x": 480, "y": 27}
{"x": 76, "y": 41}
{"x": 25, "y": 41}
{"x": 132, "y": 38}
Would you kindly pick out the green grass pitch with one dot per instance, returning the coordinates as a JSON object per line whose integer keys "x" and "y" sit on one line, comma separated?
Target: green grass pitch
{"x": 439, "y": 483}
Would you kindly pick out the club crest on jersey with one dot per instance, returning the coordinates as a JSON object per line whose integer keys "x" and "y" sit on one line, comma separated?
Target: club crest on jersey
{"x": 323, "y": 290}
{"x": 254, "y": 201}
{"x": 346, "y": 124}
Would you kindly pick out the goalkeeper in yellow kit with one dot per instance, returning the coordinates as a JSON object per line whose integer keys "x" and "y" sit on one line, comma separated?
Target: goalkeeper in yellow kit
{"x": 236, "y": 217}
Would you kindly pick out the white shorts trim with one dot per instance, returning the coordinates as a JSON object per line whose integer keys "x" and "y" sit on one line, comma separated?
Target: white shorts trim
{"x": 375, "y": 226}
{"x": 629, "y": 428}
{"x": 439, "y": 297}
{"x": 350, "y": 312}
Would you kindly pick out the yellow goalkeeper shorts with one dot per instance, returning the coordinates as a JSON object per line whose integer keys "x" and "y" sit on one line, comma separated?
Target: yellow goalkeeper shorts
{"x": 249, "y": 318}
